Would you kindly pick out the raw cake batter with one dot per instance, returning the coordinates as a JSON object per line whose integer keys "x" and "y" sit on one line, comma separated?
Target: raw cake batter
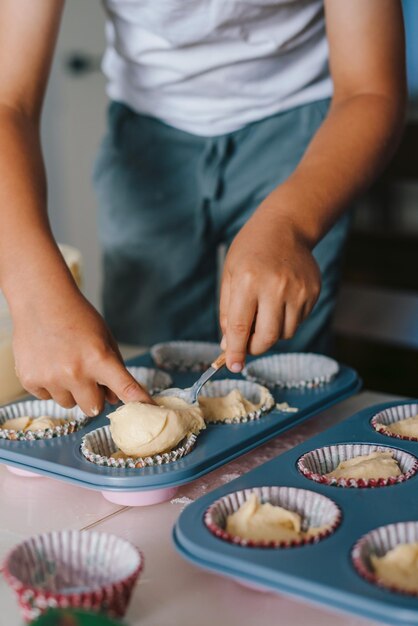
{"x": 140, "y": 429}
{"x": 398, "y": 567}
{"x": 26, "y": 423}
{"x": 234, "y": 405}
{"x": 406, "y": 428}
{"x": 368, "y": 466}
{"x": 266, "y": 522}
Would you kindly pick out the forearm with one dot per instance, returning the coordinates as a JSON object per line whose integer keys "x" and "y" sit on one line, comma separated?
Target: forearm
{"x": 353, "y": 145}
{"x": 30, "y": 261}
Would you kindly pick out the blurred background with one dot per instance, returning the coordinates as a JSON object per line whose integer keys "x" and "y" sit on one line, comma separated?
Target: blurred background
{"x": 376, "y": 326}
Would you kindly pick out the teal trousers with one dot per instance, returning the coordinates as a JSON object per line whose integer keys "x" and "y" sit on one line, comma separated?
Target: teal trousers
{"x": 169, "y": 199}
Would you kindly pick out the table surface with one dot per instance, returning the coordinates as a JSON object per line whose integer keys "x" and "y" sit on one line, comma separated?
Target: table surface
{"x": 171, "y": 591}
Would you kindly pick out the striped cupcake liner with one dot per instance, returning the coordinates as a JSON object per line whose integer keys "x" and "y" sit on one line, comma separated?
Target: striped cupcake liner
{"x": 73, "y": 569}
{"x": 154, "y": 380}
{"x": 98, "y": 447}
{"x": 391, "y": 415}
{"x": 315, "y": 464}
{"x": 251, "y": 391}
{"x": 75, "y": 419}
{"x": 316, "y": 511}
{"x": 378, "y": 542}
{"x": 292, "y": 370}
{"x": 183, "y": 356}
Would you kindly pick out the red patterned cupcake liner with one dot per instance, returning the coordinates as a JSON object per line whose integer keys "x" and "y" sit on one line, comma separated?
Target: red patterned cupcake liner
{"x": 79, "y": 569}
{"x": 315, "y": 464}
{"x": 394, "y": 414}
{"x": 315, "y": 510}
{"x": 378, "y": 542}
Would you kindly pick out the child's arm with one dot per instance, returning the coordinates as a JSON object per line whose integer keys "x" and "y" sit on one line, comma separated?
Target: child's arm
{"x": 268, "y": 289}
{"x": 62, "y": 347}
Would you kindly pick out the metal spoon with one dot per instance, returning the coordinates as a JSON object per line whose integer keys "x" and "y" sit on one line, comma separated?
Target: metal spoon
{"x": 190, "y": 394}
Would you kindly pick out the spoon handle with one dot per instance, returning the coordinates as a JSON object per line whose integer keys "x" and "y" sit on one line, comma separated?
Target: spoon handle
{"x": 216, "y": 365}
{"x": 219, "y": 362}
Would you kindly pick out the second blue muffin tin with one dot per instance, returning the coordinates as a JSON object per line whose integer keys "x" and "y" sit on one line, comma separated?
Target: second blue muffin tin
{"x": 323, "y": 572}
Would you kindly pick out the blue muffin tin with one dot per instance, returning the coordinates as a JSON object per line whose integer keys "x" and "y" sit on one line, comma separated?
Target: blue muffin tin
{"x": 322, "y": 573}
{"x": 61, "y": 457}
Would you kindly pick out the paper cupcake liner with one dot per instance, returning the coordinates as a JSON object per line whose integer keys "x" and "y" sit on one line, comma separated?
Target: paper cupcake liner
{"x": 395, "y": 414}
{"x": 98, "y": 447}
{"x": 292, "y": 370}
{"x": 315, "y": 509}
{"x": 70, "y": 568}
{"x": 36, "y": 408}
{"x": 194, "y": 356}
{"x": 378, "y": 542}
{"x": 251, "y": 391}
{"x": 315, "y": 464}
{"x": 153, "y": 379}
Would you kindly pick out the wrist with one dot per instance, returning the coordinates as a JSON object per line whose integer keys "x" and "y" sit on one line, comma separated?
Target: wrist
{"x": 286, "y": 213}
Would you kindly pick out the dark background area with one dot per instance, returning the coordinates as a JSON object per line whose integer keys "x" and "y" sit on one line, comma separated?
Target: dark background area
{"x": 376, "y": 326}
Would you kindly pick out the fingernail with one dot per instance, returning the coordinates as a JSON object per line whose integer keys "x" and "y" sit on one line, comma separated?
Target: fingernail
{"x": 236, "y": 367}
{"x": 95, "y": 411}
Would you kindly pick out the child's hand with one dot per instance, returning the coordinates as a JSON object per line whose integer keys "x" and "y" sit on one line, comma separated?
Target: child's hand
{"x": 270, "y": 284}
{"x": 63, "y": 350}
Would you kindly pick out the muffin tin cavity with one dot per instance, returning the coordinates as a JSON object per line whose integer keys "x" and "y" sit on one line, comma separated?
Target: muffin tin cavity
{"x": 316, "y": 511}
{"x": 183, "y": 356}
{"x": 315, "y": 464}
{"x": 378, "y": 542}
{"x": 98, "y": 447}
{"x": 74, "y": 420}
{"x": 394, "y": 414}
{"x": 292, "y": 370}
{"x": 251, "y": 391}
{"x": 153, "y": 379}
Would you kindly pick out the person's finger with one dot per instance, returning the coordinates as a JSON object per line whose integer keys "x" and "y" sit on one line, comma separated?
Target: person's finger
{"x": 241, "y": 314}
{"x": 268, "y": 326}
{"x": 90, "y": 398}
{"x": 292, "y": 316}
{"x": 115, "y": 347}
{"x": 307, "y": 309}
{"x": 110, "y": 396}
{"x": 116, "y": 377}
{"x": 41, "y": 393}
{"x": 224, "y": 305}
{"x": 63, "y": 397}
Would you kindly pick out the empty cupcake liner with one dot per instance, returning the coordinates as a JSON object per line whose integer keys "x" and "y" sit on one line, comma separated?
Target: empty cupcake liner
{"x": 251, "y": 391}
{"x": 315, "y": 464}
{"x": 292, "y": 370}
{"x": 70, "y": 568}
{"x": 75, "y": 419}
{"x": 316, "y": 510}
{"x": 194, "y": 356}
{"x": 378, "y": 542}
{"x": 394, "y": 414}
{"x": 153, "y": 379}
{"x": 98, "y": 447}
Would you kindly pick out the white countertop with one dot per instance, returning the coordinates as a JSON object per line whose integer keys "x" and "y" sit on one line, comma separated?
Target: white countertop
{"x": 171, "y": 592}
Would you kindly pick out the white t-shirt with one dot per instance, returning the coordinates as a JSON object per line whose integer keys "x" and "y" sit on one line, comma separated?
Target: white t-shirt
{"x": 210, "y": 67}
